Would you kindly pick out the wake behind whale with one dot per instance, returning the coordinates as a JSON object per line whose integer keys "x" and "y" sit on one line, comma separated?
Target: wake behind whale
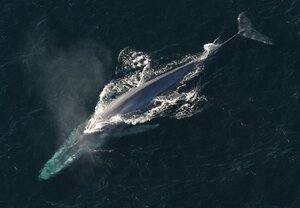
{"x": 142, "y": 93}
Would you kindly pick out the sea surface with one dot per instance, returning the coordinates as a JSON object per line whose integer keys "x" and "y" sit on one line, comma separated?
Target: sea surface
{"x": 239, "y": 149}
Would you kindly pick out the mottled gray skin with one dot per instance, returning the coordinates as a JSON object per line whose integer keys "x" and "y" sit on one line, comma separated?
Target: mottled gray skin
{"x": 139, "y": 97}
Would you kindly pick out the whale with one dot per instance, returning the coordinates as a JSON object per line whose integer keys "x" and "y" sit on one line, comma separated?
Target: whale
{"x": 135, "y": 100}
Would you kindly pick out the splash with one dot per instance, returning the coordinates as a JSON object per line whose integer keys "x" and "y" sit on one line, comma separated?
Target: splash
{"x": 136, "y": 68}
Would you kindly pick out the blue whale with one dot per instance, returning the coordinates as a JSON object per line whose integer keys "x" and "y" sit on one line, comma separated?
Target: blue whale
{"x": 132, "y": 101}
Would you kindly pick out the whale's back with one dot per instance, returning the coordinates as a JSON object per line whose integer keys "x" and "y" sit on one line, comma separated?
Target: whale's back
{"x": 139, "y": 97}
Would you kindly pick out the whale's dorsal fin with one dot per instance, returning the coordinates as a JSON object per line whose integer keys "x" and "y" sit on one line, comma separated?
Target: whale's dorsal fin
{"x": 246, "y": 30}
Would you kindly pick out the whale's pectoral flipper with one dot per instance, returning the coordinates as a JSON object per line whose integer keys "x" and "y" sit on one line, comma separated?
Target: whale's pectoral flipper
{"x": 138, "y": 129}
{"x": 246, "y": 30}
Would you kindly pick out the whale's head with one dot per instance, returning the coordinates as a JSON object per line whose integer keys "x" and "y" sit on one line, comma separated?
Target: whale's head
{"x": 77, "y": 144}
{"x": 67, "y": 153}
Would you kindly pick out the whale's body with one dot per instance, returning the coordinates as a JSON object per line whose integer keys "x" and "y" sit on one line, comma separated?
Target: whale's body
{"x": 132, "y": 101}
{"x": 137, "y": 98}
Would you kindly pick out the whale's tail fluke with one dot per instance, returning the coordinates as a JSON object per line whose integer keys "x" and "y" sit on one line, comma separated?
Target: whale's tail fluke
{"x": 246, "y": 30}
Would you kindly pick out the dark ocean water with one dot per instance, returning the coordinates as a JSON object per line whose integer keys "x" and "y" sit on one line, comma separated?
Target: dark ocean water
{"x": 241, "y": 151}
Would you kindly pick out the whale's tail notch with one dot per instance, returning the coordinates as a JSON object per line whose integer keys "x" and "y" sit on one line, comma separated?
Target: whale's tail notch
{"x": 246, "y": 30}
